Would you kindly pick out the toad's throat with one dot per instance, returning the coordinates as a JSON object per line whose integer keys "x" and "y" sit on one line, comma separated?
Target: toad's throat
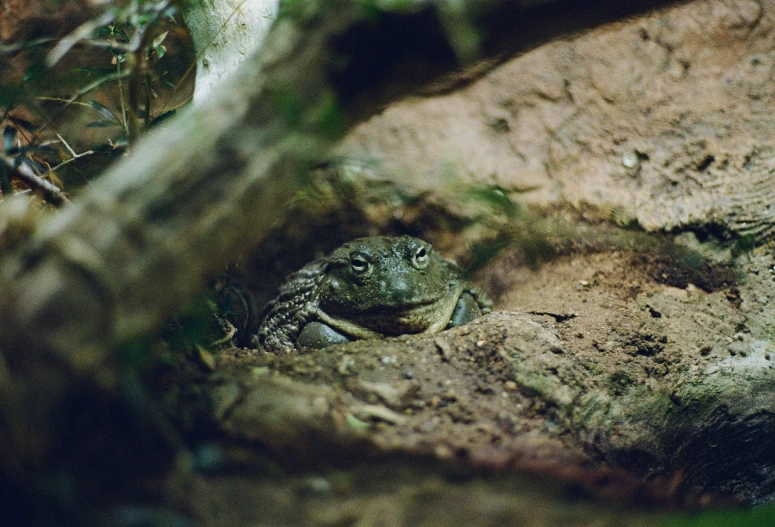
{"x": 395, "y": 320}
{"x": 429, "y": 317}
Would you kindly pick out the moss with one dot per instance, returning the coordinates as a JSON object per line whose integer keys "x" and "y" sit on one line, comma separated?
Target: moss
{"x": 327, "y": 117}
{"x": 647, "y": 406}
{"x": 546, "y": 387}
{"x": 602, "y": 413}
{"x": 619, "y": 383}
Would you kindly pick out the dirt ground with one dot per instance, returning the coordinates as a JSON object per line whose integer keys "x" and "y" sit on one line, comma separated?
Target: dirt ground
{"x": 665, "y": 121}
{"x": 575, "y": 386}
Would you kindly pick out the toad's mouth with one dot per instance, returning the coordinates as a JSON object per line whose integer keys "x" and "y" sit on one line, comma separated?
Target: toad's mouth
{"x": 422, "y": 317}
{"x": 397, "y": 320}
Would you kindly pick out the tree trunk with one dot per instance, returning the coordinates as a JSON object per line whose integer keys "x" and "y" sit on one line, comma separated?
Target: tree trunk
{"x": 225, "y": 34}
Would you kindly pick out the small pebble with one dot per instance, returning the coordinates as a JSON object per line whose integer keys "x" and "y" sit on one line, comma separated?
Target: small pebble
{"x": 443, "y": 452}
{"x": 630, "y": 159}
{"x": 511, "y": 386}
{"x": 445, "y": 350}
{"x": 344, "y": 365}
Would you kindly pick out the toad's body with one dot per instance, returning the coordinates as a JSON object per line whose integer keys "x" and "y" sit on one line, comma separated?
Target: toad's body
{"x": 369, "y": 288}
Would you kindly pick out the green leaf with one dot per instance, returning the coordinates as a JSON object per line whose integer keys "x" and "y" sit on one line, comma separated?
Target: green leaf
{"x": 120, "y": 32}
{"x": 37, "y": 149}
{"x": 104, "y": 111}
{"x": 102, "y": 31}
{"x": 9, "y": 137}
{"x": 102, "y": 124}
{"x": 96, "y": 71}
{"x": 162, "y": 117}
{"x": 22, "y": 123}
{"x": 33, "y": 71}
{"x": 158, "y": 40}
{"x": 104, "y": 147}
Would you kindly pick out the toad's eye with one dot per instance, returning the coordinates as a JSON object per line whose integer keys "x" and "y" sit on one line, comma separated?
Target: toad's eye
{"x": 358, "y": 264}
{"x": 420, "y": 259}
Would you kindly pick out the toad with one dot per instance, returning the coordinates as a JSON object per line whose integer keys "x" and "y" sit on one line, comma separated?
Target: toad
{"x": 370, "y": 288}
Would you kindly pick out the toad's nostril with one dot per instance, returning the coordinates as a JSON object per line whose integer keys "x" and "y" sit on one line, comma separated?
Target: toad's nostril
{"x": 402, "y": 291}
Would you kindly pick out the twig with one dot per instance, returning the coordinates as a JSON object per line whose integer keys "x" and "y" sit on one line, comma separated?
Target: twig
{"x": 62, "y": 139}
{"x": 7, "y": 49}
{"x": 80, "y": 33}
{"x": 51, "y": 192}
{"x": 72, "y": 153}
{"x": 121, "y": 97}
{"x": 76, "y": 95}
{"x": 229, "y": 334}
{"x": 61, "y": 99}
{"x": 112, "y": 45}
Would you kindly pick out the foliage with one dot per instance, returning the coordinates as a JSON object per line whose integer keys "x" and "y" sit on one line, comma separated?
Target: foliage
{"x": 111, "y": 97}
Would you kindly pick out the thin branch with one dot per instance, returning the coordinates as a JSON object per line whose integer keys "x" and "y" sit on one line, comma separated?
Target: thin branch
{"x": 80, "y": 93}
{"x": 121, "y": 97}
{"x": 7, "y": 49}
{"x": 66, "y": 101}
{"x": 72, "y": 153}
{"x": 80, "y": 33}
{"x": 51, "y": 192}
{"x": 112, "y": 45}
{"x": 69, "y": 149}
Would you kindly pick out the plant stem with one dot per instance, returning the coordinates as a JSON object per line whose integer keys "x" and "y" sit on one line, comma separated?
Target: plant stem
{"x": 121, "y": 99}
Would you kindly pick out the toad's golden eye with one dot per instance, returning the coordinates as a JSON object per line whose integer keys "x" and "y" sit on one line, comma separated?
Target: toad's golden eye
{"x": 358, "y": 263}
{"x": 420, "y": 258}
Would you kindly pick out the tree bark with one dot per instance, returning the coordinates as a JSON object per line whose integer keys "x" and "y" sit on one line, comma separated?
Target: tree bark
{"x": 225, "y": 34}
